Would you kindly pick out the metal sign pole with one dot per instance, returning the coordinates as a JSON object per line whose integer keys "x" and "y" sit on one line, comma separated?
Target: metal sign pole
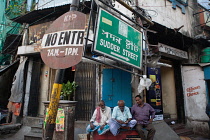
{"x": 55, "y": 95}
{"x": 53, "y": 106}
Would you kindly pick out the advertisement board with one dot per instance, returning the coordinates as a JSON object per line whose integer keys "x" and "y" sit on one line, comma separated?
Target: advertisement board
{"x": 154, "y": 94}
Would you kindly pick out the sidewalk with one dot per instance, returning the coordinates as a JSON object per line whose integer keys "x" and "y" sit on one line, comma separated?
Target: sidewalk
{"x": 81, "y": 125}
{"x": 15, "y": 134}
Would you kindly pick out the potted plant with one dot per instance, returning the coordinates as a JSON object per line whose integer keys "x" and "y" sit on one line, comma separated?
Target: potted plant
{"x": 67, "y": 90}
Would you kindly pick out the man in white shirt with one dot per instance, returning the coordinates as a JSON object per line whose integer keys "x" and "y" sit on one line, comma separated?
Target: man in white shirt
{"x": 121, "y": 117}
{"x": 100, "y": 119}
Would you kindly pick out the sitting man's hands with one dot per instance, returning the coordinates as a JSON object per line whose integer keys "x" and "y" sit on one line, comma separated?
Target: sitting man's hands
{"x": 92, "y": 126}
{"x": 128, "y": 121}
{"x": 150, "y": 120}
{"x": 120, "y": 121}
{"x": 102, "y": 127}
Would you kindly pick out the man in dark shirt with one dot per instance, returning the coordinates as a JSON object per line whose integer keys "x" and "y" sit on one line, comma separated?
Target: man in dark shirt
{"x": 143, "y": 113}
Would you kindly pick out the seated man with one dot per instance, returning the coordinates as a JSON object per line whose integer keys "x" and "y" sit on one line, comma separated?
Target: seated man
{"x": 144, "y": 114}
{"x": 121, "y": 116}
{"x": 100, "y": 119}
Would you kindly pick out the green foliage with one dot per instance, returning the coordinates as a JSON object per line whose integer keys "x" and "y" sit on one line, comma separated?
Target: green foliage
{"x": 16, "y": 8}
{"x": 68, "y": 90}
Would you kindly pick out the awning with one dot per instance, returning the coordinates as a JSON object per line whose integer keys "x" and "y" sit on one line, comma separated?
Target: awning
{"x": 204, "y": 64}
{"x": 3, "y": 70}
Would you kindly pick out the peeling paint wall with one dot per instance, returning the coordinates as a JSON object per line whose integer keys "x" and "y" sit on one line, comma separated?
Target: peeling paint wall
{"x": 195, "y": 98}
{"x": 161, "y": 11}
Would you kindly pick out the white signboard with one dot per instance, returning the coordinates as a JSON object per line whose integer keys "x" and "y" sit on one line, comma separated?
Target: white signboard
{"x": 172, "y": 51}
{"x": 63, "y": 38}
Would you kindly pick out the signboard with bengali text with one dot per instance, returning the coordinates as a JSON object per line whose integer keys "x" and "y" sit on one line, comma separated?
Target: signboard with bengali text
{"x": 118, "y": 40}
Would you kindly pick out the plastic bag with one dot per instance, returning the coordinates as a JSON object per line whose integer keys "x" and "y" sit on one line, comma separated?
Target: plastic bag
{"x": 144, "y": 83}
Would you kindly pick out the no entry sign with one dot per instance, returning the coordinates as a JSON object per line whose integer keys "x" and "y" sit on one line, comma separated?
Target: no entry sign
{"x": 62, "y": 44}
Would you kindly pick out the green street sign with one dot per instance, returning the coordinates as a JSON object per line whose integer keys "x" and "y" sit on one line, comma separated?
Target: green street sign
{"x": 118, "y": 40}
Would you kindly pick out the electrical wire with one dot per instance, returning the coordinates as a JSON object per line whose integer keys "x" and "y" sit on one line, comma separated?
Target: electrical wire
{"x": 195, "y": 3}
{"x": 23, "y": 29}
{"x": 13, "y": 41}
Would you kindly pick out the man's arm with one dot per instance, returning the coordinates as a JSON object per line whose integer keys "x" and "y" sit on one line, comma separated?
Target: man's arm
{"x": 94, "y": 116}
{"x": 114, "y": 113}
{"x": 93, "y": 119}
{"x": 129, "y": 115}
{"x": 152, "y": 113}
{"x": 109, "y": 114}
{"x": 132, "y": 111}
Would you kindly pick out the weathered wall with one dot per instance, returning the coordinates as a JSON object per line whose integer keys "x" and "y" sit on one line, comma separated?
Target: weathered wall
{"x": 168, "y": 91}
{"x": 44, "y": 88}
{"x": 194, "y": 53}
{"x": 162, "y": 12}
{"x": 195, "y": 98}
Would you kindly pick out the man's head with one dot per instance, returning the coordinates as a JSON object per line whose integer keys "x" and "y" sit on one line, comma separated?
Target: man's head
{"x": 121, "y": 104}
{"x": 138, "y": 100}
{"x": 102, "y": 104}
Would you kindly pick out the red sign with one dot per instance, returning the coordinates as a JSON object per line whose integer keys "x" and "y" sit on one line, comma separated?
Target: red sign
{"x": 62, "y": 44}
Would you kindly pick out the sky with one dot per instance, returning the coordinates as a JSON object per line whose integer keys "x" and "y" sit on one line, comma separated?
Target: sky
{"x": 204, "y": 3}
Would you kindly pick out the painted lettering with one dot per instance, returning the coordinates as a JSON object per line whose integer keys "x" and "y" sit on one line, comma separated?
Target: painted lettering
{"x": 53, "y": 52}
{"x": 47, "y": 43}
{"x": 71, "y": 17}
{"x": 73, "y": 36}
{"x": 191, "y": 89}
{"x": 67, "y": 37}
{"x": 80, "y": 37}
{"x": 54, "y": 38}
{"x": 130, "y": 54}
{"x": 192, "y": 94}
{"x": 64, "y": 38}
{"x": 131, "y": 46}
{"x": 71, "y": 51}
{"x": 61, "y": 38}
{"x": 109, "y": 45}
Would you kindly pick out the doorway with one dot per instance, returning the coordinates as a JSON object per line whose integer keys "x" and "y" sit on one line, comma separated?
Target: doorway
{"x": 116, "y": 86}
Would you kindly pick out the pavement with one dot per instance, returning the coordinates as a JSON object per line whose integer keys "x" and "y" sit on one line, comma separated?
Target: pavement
{"x": 163, "y": 132}
{"x": 15, "y": 134}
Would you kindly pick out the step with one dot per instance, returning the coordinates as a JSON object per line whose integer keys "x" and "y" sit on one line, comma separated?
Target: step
{"x": 31, "y": 121}
{"x": 184, "y": 132}
{"x": 36, "y": 129}
{"x": 177, "y": 126}
{"x": 33, "y": 136}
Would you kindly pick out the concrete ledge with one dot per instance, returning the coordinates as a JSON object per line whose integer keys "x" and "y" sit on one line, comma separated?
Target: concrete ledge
{"x": 27, "y": 50}
{"x": 9, "y": 127}
{"x": 33, "y": 121}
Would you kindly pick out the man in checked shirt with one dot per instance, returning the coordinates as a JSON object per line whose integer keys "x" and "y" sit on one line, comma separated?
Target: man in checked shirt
{"x": 143, "y": 113}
